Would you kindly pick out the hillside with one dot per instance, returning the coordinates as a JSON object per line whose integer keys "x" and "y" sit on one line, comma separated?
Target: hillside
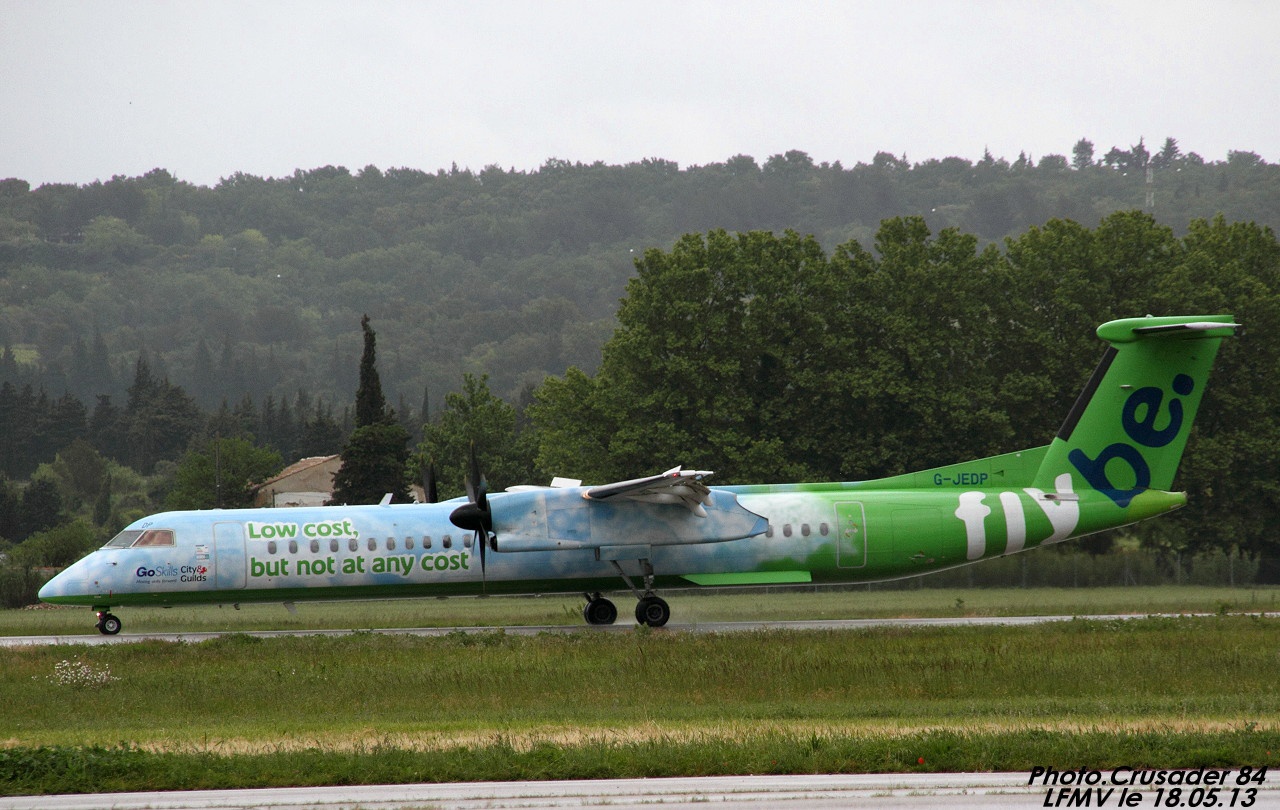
{"x": 255, "y": 287}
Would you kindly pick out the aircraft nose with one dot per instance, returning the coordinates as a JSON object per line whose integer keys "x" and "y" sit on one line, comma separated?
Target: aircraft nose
{"x": 69, "y": 583}
{"x": 50, "y": 589}
{"x": 54, "y": 587}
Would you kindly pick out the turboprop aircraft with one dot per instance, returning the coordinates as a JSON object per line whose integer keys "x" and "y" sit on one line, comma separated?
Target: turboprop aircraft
{"x": 1111, "y": 464}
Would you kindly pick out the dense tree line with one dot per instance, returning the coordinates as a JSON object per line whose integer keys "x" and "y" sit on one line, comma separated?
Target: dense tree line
{"x": 765, "y": 358}
{"x": 249, "y": 287}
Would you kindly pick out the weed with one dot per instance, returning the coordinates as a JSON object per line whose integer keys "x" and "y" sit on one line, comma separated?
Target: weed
{"x": 81, "y": 675}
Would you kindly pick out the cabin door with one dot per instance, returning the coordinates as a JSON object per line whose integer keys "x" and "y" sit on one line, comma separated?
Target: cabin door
{"x": 851, "y": 535}
{"x": 229, "y": 563}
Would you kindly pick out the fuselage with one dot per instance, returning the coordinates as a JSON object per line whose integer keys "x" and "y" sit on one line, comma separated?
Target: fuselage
{"x": 773, "y": 534}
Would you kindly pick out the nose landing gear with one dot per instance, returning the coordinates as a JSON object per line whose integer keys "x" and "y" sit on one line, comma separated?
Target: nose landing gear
{"x": 108, "y": 624}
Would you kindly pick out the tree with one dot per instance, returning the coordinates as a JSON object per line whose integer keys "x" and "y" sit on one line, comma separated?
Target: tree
{"x": 1082, "y": 154}
{"x": 716, "y": 363}
{"x": 375, "y": 463}
{"x": 10, "y": 503}
{"x": 102, "y": 504}
{"x": 220, "y": 474}
{"x": 371, "y": 405}
{"x": 40, "y": 508}
{"x": 159, "y": 419}
{"x": 375, "y": 459}
{"x": 474, "y": 419}
{"x": 1229, "y": 468}
{"x": 1168, "y": 154}
{"x": 58, "y": 546}
{"x": 79, "y": 470}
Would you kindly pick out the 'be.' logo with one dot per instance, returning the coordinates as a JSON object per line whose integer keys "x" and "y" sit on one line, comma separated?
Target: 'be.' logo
{"x": 1139, "y": 418}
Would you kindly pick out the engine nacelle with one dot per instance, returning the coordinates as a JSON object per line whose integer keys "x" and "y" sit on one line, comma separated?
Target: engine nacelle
{"x": 562, "y": 519}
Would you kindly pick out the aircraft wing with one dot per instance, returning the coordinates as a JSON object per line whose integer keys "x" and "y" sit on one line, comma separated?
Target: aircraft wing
{"x": 675, "y": 486}
{"x": 625, "y": 514}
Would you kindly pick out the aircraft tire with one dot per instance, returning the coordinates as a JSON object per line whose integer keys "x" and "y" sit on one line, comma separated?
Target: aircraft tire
{"x": 108, "y": 625}
{"x": 600, "y": 611}
{"x": 653, "y": 611}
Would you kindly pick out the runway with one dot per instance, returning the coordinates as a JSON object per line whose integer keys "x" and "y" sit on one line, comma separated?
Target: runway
{"x": 971, "y": 791}
{"x": 533, "y": 630}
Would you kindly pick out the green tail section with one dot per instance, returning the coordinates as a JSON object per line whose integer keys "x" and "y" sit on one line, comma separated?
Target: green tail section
{"x": 1129, "y": 427}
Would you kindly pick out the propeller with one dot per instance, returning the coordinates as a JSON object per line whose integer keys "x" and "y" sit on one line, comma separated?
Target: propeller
{"x": 474, "y": 515}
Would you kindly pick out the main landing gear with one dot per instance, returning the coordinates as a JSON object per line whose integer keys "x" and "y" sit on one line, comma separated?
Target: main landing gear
{"x": 108, "y": 624}
{"x": 651, "y": 609}
{"x": 599, "y": 610}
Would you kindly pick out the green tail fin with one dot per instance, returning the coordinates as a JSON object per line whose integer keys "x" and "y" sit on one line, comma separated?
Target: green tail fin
{"x": 1129, "y": 427}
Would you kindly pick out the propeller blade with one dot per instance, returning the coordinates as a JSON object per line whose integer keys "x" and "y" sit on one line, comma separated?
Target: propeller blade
{"x": 474, "y": 515}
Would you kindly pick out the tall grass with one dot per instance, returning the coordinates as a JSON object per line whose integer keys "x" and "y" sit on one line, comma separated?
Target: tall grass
{"x": 121, "y": 768}
{"x": 239, "y": 711}
{"x": 295, "y": 692}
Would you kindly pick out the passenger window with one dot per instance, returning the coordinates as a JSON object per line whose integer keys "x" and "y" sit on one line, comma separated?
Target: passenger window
{"x": 466, "y": 541}
{"x": 447, "y": 542}
{"x": 391, "y": 544}
{"x": 769, "y": 531}
{"x": 353, "y": 544}
{"x": 315, "y": 546}
{"x": 426, "y": 541}
{"x": 293, "y": 546}
{"x": 824, "y": 529}
{"x": 408, "y": 543}
{"x": 804, "y": 529}
{"x": 333, "y": 545}
{"x": 271, "y": 547}
{"x": 373, "y": 544}
{"x": 786, "y": 530}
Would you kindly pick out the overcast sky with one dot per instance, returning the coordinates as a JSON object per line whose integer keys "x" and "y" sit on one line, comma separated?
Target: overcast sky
{"x": 95, "y": 88}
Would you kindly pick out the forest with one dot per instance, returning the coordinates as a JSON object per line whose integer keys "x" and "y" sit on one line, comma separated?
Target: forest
{"x": 782, "y": 320}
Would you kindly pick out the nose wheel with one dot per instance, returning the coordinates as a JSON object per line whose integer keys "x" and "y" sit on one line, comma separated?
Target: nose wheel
{"x": 108, "y": 624}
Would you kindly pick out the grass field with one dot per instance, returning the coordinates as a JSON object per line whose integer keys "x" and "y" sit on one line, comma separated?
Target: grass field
{"x": 239, "y": 711}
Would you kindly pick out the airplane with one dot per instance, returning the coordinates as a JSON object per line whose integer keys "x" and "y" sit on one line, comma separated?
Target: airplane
{"x": 1111, "y": 464}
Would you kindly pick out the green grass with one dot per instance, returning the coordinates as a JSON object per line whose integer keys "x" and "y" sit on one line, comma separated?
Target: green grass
{"x": 366, "y": 708}
{"x": 83, "y": 770}
{"x": 240, "y": 711}
{"x": 687, "y": 606}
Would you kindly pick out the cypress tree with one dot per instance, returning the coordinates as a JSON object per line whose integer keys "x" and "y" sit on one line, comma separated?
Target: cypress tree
{"x": 375, "y": 459}
{"x": 371, "y": 406}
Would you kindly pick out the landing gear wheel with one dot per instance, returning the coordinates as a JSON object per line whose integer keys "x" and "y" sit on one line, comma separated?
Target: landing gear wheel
{"x": 108, "y": 625}
{"x": 599, "y": 610}
{"x": 653, "y": 611}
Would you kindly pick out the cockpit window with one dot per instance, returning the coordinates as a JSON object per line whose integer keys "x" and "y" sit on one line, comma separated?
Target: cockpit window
{"x": 124, "y": 539}
{"x": 136, "y": 539}
{"x": 155, "y": 537}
